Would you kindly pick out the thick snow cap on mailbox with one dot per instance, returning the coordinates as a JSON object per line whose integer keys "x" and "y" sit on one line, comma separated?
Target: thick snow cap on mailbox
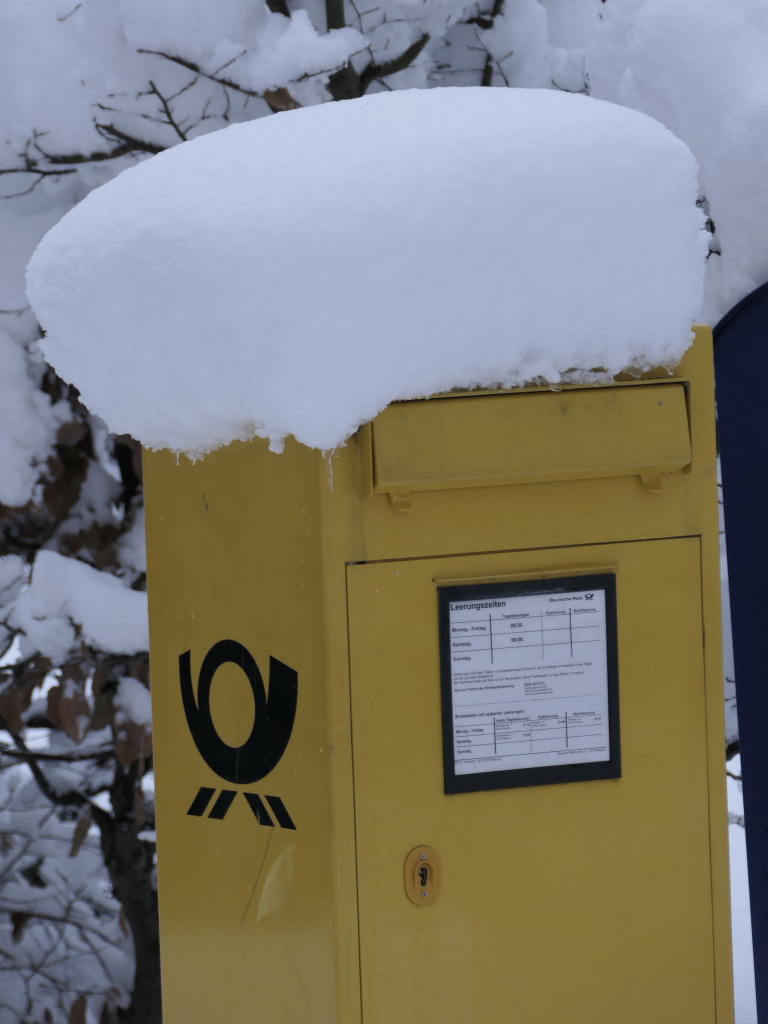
{"x": 295, "y": 274}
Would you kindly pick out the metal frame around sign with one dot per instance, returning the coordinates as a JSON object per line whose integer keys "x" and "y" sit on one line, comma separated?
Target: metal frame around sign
{"x": 550, "y": 774}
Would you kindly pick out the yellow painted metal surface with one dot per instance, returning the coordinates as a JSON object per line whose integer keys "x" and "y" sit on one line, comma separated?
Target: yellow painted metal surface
{"x": 514, "y": 438}
{"x": 596, "y": 902}
{"x": 586, "y": 880}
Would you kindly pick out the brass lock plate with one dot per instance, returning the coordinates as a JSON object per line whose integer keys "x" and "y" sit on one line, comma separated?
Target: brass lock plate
{"x": 423, "y": 876}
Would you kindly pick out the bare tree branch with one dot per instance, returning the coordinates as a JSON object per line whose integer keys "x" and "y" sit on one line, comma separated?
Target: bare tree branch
{"x": 191, "y": 66}
{"x": 391, "y": 67}
{"x": 347, "y": 84}
{"x": 168, "y": 112}
{"x": 97, "y": 753}
{"x": 130, "y": 143}
{"x": 487, "y": 79}
{"x": 485, "y": 21}
{"x": 72, "y": 798}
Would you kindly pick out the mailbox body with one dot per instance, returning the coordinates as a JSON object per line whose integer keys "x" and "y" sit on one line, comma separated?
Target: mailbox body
{"x": 597, "y": 901}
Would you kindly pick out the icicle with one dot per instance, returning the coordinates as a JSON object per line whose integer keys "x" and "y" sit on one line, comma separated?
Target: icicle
{"x": 329, "y": 454}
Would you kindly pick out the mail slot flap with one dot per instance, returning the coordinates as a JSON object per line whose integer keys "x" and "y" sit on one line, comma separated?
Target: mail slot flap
{"x": 530, "y": 436}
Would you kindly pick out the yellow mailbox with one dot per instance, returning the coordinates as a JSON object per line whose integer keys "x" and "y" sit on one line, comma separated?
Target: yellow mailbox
{"x": 438, "y": 720}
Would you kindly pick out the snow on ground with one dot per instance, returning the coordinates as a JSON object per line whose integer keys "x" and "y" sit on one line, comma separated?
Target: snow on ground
{"x": 743, "y": 965}
{"x": 294, "y": 275}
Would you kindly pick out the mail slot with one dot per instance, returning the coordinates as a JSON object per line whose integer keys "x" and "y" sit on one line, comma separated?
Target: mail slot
{"x": 438, "y": 739}
{"x": 527, "y": 437}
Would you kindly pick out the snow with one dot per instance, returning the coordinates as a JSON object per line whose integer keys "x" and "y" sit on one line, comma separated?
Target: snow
{"x": 699, "y": 67}
{"x": 28, "y": 418}
{"x": 64, "y": 914}
{"x": 743, "y": 964}
{"x": 28, "y": 424}
{"x": 216, "y": 35}
{"x": 95, "y": 505}
{"x": 132, "y": 702}
{"x": 67, "y": 599}
{"x": 11, "y": 576}
{"x": 87, "y": 59}
{"x": 296, "y": 274}
{"x": 20, "y": 231}
{"x": 132, "y": 548}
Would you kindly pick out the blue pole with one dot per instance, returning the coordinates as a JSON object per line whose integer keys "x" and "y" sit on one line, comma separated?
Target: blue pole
{"x": 741, "y": 372}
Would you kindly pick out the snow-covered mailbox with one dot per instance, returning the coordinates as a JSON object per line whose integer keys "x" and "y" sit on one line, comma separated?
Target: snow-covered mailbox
{"x": 438, "y": 734}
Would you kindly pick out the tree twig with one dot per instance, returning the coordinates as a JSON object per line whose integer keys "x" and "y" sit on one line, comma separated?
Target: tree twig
{"x": 168, "y": 112}
{"x": 75, "y": 755}
{"x": 72, "y": 798}
{"x": 391, "y": 67}
{"x": 191, "y": 66}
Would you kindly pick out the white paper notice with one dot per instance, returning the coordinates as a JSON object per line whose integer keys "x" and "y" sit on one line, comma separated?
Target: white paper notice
{"x": 529, "y": 679}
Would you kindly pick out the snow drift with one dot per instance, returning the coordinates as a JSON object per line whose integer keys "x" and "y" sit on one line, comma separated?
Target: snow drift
{"x": 295, "y": 274}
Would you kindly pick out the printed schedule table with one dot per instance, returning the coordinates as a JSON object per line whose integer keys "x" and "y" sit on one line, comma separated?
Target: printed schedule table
{"x": 520, "y": 734}
{"x": 505, "y": 631}
{"x": 529, "y": 677}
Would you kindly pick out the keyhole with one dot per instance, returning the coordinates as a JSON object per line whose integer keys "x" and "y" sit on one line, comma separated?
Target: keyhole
{"x": 422, "y": 876}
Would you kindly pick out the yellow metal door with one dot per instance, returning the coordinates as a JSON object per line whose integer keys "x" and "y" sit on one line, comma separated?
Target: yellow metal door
{"x": 588, "y": 902}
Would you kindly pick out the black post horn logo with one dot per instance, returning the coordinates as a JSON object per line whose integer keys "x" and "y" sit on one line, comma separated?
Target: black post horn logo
{"x": 273, "y": 720}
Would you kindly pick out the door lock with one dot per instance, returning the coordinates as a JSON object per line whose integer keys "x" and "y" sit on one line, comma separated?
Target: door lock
{"x": 423, "y": 876}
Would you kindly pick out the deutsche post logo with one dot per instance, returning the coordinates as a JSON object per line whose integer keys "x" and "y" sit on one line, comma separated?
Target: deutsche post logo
{"x": 272, "y": 726}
